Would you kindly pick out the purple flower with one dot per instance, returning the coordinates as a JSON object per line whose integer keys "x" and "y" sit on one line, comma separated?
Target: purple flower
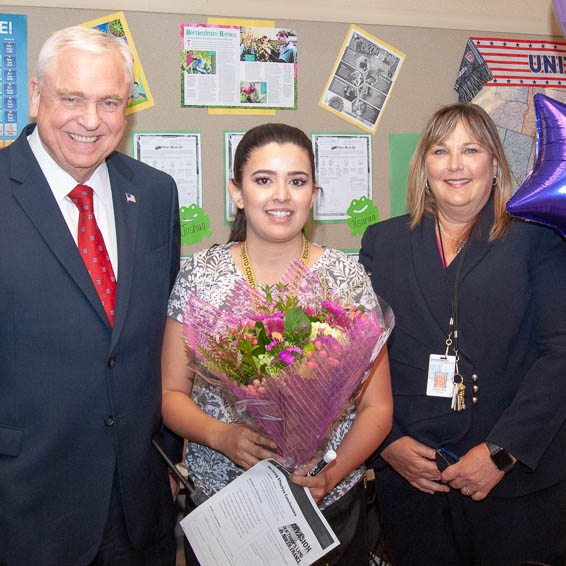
{"x": 270, "y": 347}
{"x": 286, "y": 357}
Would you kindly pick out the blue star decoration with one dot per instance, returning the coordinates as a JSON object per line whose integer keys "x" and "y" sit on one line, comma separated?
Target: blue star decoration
{"x": 542, "y": 196}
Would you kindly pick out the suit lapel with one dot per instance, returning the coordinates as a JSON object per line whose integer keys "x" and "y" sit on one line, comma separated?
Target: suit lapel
{"x": 430, "y": 275}
{"x": 478, "y": 244}
{"x": 126, "y": 216}
{"x": 37, "y": 201}
{"x": 429, "y": 272}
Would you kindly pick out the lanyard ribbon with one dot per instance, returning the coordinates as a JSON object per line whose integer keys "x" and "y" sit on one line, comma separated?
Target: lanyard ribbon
{"x": 249, "y": 274}
{"x": 458, "y": 398}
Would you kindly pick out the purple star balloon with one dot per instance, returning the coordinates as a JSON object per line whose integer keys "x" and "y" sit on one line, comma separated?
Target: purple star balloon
{"x": 560, "y": 13}
{"x": 542, "y": 196}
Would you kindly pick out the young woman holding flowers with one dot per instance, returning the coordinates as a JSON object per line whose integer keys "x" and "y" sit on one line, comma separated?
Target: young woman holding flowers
{"x": 274, "y": 189}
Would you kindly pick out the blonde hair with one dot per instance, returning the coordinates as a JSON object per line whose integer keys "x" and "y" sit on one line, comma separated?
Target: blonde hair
{"x": 83, "y": 39}
{"x": 481, "y": 128}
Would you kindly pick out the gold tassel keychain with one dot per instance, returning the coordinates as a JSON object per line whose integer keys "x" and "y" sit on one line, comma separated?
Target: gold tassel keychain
{"x": 458, "y": 396}
{"x": 459, "y": 391}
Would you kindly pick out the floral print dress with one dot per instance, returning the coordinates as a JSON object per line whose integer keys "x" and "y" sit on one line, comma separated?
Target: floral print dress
{"x": 211, "y": 275}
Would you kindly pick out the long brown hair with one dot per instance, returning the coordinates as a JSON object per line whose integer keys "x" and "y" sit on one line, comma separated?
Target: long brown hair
{"x": 253, "y": 139}
{"x": 481, "y": 128}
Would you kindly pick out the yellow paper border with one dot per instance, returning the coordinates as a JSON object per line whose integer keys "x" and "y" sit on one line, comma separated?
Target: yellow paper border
{"x": 138, "y": 69}
{"x": 241, "y": 23}
{"x": 255, "y": 111}
{"x": 333, "y": 72}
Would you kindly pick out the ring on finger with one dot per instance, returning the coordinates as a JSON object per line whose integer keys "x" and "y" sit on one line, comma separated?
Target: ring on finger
{"x": 467, "y": 490}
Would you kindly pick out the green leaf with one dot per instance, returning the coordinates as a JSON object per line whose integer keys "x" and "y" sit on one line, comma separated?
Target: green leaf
{"x": 297, "y": 324}
{"x": 261, "y": 334}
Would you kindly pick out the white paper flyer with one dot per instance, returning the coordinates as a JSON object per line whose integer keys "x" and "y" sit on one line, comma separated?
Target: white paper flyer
{"x": 260, "y": 518}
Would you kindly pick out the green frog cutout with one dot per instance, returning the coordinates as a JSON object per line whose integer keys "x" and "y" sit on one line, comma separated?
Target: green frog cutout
{"x": 195, "y": 225}
{"x": 362, "y": 214}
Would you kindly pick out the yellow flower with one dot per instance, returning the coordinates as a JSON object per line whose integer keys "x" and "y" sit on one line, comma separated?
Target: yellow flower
{"x": 327, "y": 330}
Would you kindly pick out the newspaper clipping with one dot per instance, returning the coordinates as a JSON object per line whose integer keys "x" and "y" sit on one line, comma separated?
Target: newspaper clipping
{"x": 343, "y": 170}
{"x": 260, "y": 518}
{"x": 362, "y": 79}
{"x": 232, "y": 66}
{"x": 231, "y": 141}
{"x": 175, "y": 153}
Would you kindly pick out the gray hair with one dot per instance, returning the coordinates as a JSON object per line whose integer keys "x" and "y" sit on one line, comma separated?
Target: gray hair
{"x": 87, "y": 40}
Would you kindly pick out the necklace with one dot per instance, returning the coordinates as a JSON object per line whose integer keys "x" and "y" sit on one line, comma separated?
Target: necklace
{"x": 249, "y": 270}
{"x": 460, "y": 243}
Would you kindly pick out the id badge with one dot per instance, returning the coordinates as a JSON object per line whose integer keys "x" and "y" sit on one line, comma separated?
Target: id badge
{"x": 440, "y": 382}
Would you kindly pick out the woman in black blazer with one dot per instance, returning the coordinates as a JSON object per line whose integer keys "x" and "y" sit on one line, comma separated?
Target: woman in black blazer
{"x": 468, "y": 282}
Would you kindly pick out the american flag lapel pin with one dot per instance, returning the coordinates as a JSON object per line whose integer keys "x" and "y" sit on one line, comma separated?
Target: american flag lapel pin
{"x": 130, "y": 197}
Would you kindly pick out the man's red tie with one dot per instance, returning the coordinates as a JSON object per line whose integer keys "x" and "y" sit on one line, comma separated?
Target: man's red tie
{"x": 93, "y": 250}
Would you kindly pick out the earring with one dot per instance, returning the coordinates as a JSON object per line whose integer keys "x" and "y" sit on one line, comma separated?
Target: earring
{"x": 494, "y": 182}
{"x": 427, "y": 186}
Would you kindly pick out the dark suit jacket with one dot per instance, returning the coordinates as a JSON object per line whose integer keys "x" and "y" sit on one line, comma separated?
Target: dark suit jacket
{"x": 512, "y": 310}
{"x": 78, "y": 398}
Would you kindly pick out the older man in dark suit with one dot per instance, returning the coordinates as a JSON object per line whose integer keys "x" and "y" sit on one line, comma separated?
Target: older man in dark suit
{"x": 89, "y": 252}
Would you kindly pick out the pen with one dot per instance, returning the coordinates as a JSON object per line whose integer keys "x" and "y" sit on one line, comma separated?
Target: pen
{"x": 328, "y": 457}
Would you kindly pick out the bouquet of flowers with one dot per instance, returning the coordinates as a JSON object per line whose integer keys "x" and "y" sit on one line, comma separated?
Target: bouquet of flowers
{"x": 294, "y": 356}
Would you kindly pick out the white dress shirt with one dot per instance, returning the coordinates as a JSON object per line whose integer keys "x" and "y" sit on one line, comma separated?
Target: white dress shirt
{"x": 61, "y": 184}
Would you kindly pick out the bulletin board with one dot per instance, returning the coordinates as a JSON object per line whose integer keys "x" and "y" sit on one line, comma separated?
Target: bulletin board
{"x": 425, "y": 82}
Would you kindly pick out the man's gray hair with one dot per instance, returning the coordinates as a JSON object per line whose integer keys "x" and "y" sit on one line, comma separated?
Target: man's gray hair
{"x": 87, "y": 40}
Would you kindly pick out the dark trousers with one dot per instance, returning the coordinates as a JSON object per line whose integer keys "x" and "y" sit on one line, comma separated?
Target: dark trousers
{"x": 116, "y": 549}
{"x": 453, "y": 530}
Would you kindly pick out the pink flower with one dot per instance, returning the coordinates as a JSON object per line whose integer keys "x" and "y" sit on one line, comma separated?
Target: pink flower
{"x": 323, "y": 354}
{"x": 311, "y": 365}
{"x": 333, "y": 307}
{"x": 273, "y": 324}
{"x": 334, "y": 361}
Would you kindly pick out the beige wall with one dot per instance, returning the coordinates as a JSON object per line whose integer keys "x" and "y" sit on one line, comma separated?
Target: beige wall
{"x": 425, "y": 82}
{"x": 519, "y": 16}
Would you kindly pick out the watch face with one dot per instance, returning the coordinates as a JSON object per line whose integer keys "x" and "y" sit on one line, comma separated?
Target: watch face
{"x": 503, "y": 460}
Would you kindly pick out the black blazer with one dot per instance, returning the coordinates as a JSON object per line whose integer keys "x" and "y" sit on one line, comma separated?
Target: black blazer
{"x": 512, "y": 311}
{"x": 78, "y": 398}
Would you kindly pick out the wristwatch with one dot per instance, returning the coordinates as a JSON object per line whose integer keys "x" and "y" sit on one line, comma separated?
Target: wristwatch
{"x": 500, "y": 457}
